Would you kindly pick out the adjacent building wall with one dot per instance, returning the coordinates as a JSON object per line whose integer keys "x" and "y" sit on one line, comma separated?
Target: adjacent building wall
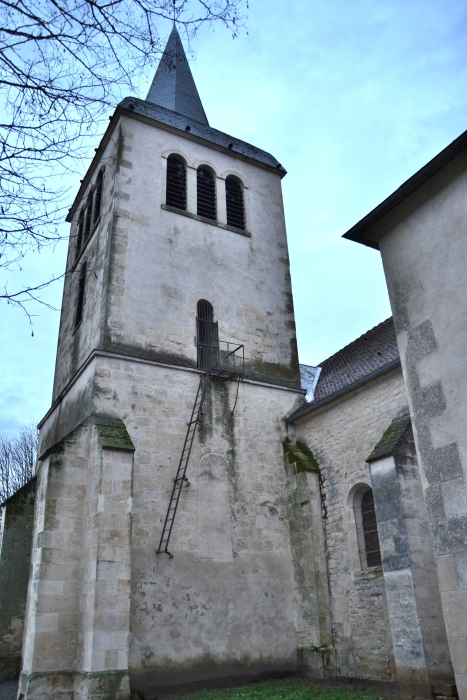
{"x": 15, "y": 563}
{"x": 424, "y": 260}
{"x": 341, "y": 436}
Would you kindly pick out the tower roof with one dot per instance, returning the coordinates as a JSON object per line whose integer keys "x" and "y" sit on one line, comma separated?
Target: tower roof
{"x": 173, "y": 86}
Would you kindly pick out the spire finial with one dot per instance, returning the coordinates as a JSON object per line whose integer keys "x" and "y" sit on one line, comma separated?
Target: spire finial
{"x": 173, "y": 3}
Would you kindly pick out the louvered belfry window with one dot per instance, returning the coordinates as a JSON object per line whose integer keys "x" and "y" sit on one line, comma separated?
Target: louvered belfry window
{"x": 88, "y": 218}
{"x": 98, "y": 197}
{"x": 79, "y": 239}
{"x": 206, "y": 194}
{"x": 234, "y": 201}
{"x": 370, "y": 530}
{"x": 176, "y": 184}
{"x": 80, "y": 297}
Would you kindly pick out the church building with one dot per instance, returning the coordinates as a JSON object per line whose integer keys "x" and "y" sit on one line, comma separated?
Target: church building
{"x": 207, "y": 511}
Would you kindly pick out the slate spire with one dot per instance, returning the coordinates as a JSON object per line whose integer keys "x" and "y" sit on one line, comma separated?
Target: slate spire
{"x": 173, "y": 86}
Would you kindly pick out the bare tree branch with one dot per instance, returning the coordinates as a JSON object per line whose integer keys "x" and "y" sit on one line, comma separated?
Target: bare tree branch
{"x": 63, "y": 64}
{"x": 17, "y": 459}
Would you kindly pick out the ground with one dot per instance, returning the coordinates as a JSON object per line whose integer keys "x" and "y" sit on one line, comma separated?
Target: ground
{"x": 274, "y": 690}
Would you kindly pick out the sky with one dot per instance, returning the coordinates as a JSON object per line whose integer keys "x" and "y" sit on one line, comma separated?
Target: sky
{"x": 352, "y": 97}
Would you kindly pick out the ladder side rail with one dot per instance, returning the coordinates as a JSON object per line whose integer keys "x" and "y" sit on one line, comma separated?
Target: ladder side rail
{"x": 182, "y": 467}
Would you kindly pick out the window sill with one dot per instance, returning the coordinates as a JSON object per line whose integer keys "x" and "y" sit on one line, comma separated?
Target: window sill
{"x": 373, "y": 572}
{"x": 182, "y": 212}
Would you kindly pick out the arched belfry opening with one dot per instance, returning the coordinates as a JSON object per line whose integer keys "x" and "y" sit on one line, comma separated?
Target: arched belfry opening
{"x": 176, "y": 183}
{"x": 234, "y": 203}
{"x": 207, "y": 336}
{"x": 206, "y": 194}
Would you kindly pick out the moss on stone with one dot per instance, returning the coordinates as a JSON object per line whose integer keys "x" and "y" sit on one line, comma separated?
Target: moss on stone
{"x": 301, "y": 456}
{"x": 113, "y": 433}
{"x": 390, "y": 439}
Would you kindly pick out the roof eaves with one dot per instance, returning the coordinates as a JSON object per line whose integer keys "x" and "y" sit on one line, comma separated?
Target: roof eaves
{"x": 356, "y": 233}
{"x": 129, "y": 107}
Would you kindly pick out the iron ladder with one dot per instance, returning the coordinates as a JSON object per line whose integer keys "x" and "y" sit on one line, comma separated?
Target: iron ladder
{"x": 181, "y": 479}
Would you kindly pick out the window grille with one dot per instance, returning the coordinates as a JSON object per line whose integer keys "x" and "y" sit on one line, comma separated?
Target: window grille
{"x": 79, "y": 238}
{"x": 176, "y": 184}
{"x": 80, "y": 299}
{"x": 98, "y": 198}
{"x": 235, "y": 205}
{"x": 207, "y": 336}
{"x": 206, "y": 194}
{"x": 370, "y": 530}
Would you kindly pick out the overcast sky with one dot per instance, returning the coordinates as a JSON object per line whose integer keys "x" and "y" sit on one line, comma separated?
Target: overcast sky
{"x": 352, "y": 97}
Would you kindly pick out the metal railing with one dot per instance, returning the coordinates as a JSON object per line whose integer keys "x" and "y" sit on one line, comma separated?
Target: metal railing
{"x": 220, "y": 358}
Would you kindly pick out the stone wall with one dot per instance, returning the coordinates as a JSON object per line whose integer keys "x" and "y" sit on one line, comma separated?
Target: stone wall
{"x": 223, "y": 607}
{"x": 15, "y": 562}
{"x": 162, "y": 261}
{"x": 75, "y": 344}
{"x": 341, "y": 436}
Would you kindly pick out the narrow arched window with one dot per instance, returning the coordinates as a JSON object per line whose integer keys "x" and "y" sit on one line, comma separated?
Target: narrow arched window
{"x": 98, "y": 197}
{"x": 79, "y": 237}
{"x": 370, "y": 530}
{"x": 88, "y": 218}
{"x": 176, "y": 183}
{"x": 206, "y": 189}
{"x": 207, "y": 336}
{"x": 367, "y": 528}
{"x": 234, "y": 202}
{"x": 80, "y": 296}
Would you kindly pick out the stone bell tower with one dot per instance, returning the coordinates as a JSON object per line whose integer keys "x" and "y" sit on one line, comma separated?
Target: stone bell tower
{"x": 177, "y": 287}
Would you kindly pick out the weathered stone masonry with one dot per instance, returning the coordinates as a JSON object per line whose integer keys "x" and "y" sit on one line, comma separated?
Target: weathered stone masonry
{"x": 15, "y": 560}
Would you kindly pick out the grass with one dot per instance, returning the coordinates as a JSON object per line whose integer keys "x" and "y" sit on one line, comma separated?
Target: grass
{"x": 286, "y": 690}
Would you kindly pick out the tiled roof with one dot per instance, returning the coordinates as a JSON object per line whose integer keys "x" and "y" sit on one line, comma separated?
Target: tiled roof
{"x": 370, "y": 352}
{"x": 173, "y": 86}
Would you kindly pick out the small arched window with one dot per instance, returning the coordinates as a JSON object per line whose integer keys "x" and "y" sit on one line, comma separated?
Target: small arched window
{"x": 367, "y": 528}
{"x": 176, "y": 183}
{"x": 79, "y": 237}
{"x": 206, "y": 189}
{"x": 98, "y": 197}
{"x": 234, "y": 202}
{"x": 207, "y": 336}
{"x": 88, "y": 218}
{"x": 80, "y": 297}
